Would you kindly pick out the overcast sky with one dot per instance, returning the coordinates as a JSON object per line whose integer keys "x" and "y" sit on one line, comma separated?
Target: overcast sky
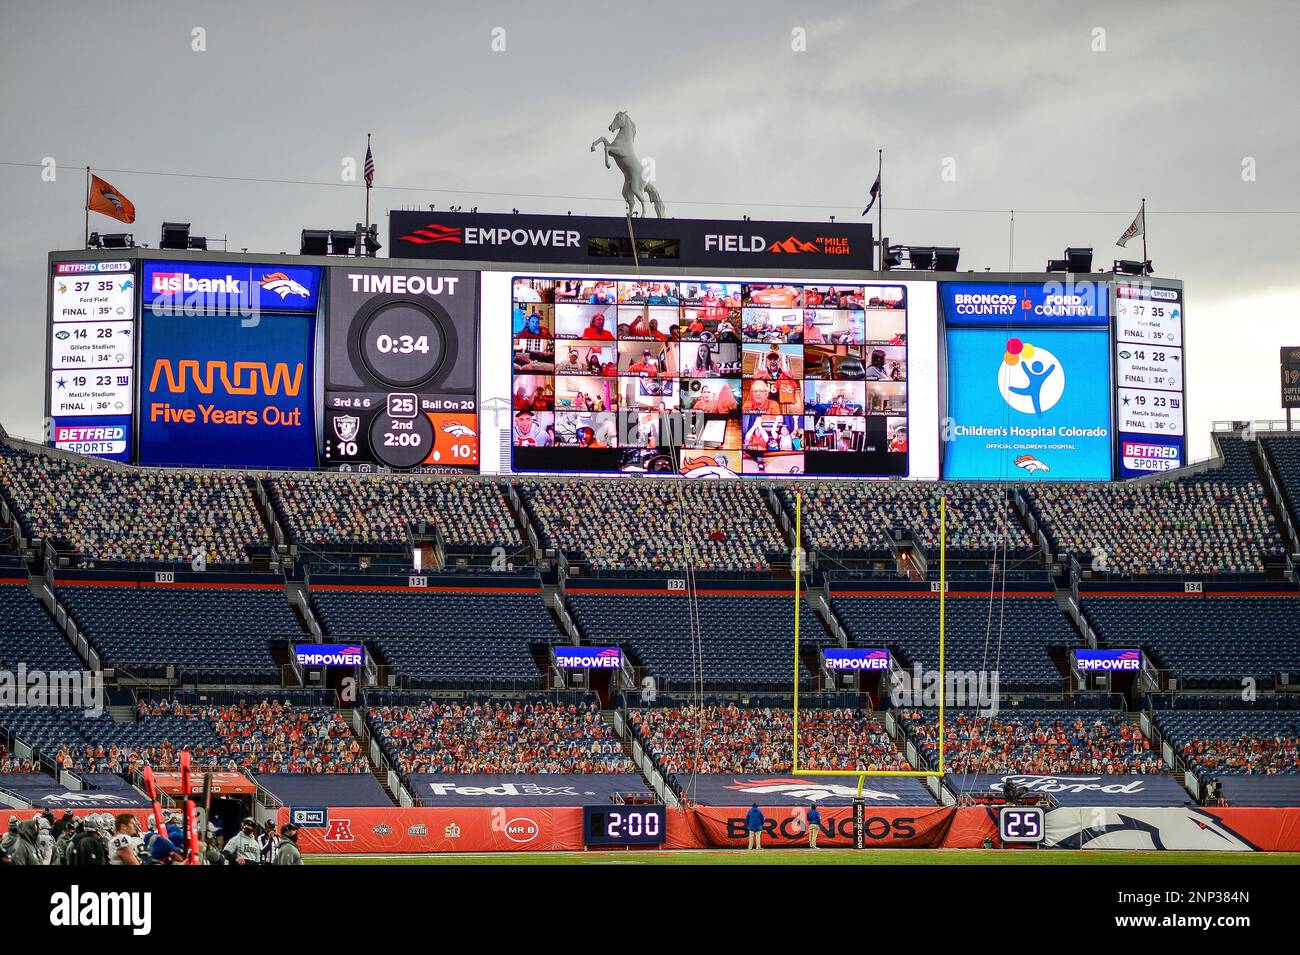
{"x": 1069, "y": 116}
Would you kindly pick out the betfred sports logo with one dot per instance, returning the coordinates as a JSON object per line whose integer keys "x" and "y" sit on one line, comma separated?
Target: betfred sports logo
{"x": 98, "y": 440}
{"x": 1139, "y": 456}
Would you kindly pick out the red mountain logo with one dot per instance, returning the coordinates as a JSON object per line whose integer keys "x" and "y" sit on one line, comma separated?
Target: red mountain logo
{"x": 793, "y": 246}
{"x": 435, "y": 233}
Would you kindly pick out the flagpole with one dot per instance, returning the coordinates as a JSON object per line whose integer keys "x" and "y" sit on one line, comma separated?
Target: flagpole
{"x": 880, "y": 208}
{"x": 87, "y": 235}
{"x": 367, "y": 184}
{"x": 1145, "y": 270}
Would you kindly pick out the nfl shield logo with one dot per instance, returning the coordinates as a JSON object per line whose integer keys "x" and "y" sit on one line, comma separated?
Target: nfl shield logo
{"x": 346, "y": 426}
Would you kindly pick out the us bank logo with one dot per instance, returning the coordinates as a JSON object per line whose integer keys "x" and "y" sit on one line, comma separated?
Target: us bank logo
{"x": 1030, "y": 379}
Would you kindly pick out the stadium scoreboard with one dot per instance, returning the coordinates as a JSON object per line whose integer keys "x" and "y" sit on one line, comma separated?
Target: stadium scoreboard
{"x": 553, "y": 344}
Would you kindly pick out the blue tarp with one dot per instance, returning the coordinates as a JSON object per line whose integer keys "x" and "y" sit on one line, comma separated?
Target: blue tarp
{"x": 325, "y": 789}
{"x": 1261, "y": 790}
{"x": 104, "y": 792}
{"x": 784, "y": 789}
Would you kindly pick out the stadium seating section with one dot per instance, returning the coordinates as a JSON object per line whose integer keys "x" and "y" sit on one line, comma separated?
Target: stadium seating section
{"x": 1284, "y": 454}
{"x": 1016, "y": 635}
{"x": 1037, "y": 742}
{"x": 133, "y": 515}
{"x": 1216, "y": 743}
{"x": 444, "y": 639}
{"x": 633, "y": 525}
{"x": 219, "y": 635}
{"x": 728, "y": 738}
{"x": 329, "y": 512}
{"x": 531, "y": 735}
{"x": 28, "y": 635}
{"x": 1206, "y": 642}
{"x": 852, "y": 520}
{"x": 745, "y": 640}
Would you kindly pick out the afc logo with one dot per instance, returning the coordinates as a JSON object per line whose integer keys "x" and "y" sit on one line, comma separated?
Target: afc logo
{"x": 340, "y": 830}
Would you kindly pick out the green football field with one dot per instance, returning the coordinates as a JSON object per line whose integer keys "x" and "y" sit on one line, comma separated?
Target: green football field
{"x": 822, "y": 857}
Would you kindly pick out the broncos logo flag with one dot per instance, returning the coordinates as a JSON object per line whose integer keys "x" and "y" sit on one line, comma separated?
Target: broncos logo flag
{"x": 103, "y": 198}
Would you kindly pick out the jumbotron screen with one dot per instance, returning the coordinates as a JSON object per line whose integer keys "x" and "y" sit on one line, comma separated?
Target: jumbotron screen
{"x": 696, "y": 377}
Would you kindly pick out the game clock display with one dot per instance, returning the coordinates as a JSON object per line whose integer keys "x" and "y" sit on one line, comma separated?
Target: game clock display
{"x": 401, "y": 382}
{"x": 1022, "y": 824}
{"x": 624, "y": 825}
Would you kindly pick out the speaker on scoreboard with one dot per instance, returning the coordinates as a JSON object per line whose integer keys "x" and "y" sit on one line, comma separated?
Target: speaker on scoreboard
{"x": 175, "y": 235}
{"x": 315, "y": 242}
{"x": 1079, "y": 261}
{"x": 946, "y": 258}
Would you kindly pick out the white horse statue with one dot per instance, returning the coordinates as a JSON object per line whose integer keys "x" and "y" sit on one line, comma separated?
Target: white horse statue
{"x": 635, "y": 186}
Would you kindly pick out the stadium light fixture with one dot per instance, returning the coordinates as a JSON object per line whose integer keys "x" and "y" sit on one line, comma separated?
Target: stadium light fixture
{"x": 111, "y": 240}
{"x": 946, "y": 258}
{"x": 1132, "y": 267}
{"x": 1058, "y": 265}
{"x": 315, "y": 242}
{"x": 372, "y": 241}
{"x": 1079, "y": 260}
{"x": 199, "y": 242}
{"x": 893, "y": 257}
{"x": 341, "y": 242}
{"x": 175, "y": 235}
{"x": 921, "y": 257}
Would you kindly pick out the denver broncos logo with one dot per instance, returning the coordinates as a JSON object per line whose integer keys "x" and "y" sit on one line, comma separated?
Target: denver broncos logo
{"x": 704, "y": 466}
{"x": 458, "y": 430}
{"x": 1031, "y": 463}
{"x": 283, "y": 286}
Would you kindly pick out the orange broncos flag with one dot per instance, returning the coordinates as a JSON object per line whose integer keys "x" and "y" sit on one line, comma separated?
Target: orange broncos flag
{"x": 104, "y": 199}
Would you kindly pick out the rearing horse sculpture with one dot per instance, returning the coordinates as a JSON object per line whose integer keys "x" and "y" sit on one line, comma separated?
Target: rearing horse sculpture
{"x": 635, "y": 186}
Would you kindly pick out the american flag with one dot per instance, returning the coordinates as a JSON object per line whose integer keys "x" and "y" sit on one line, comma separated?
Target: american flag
{"x": 875, "y": 194}
{"x": 370, "y": 167}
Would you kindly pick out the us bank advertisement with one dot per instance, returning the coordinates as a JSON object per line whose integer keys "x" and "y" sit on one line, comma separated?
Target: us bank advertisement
{"x": 1029, "y": 384}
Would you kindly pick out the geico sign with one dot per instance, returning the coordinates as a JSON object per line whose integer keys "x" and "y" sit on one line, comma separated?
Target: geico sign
{"x": 247, "y": 376}
{"x": 876, "y": 828}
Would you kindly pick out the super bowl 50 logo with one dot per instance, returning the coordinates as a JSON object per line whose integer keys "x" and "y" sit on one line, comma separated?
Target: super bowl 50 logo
{"x": 1030, "y": 379}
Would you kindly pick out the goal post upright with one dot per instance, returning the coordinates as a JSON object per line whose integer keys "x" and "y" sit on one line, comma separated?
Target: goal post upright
{"x": 862, "y": 774}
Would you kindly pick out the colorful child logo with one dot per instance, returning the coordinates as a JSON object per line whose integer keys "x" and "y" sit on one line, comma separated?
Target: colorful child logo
{"x": 1031, "y": 379}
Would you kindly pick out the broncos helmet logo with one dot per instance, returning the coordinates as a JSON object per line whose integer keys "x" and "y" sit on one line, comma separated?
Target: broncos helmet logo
{"x": 458, "y": 430}
{"x": 1031, "y": 463}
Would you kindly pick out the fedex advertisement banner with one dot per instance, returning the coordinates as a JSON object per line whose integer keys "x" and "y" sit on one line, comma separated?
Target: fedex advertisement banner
{"x": 1027, "y": 403}
{"x": 220, "y": 391}
{"x": 548, "y": 789}
{"x": 229, "y": 288}
{"x": 588, "y": 658}
{"x": 330, "y": 654}
{"x": 1108, "y": 661}
{"x": 1053, "y": 304}
{"x": 856, "y": 660}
